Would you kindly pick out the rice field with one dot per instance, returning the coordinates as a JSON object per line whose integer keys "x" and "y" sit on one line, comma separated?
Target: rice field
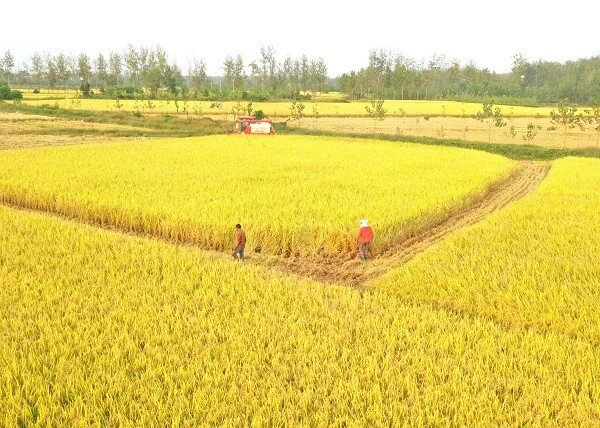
{"x": 295, "y": 195}
{"x": 282, "y": 109}
{"x": 536, "y": 131}
{"x": 496, "y": 324}
{"x": 443, "y": 120}
{"x": 532, "y": 265}
{"x": 104, "y": 329}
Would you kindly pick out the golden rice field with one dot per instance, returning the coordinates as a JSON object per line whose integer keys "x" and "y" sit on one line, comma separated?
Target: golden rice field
{"x": 295, "y": 195}
{"x": 19, "y": 123}
{"x": 282, "y": 109}
{"x": 532, "y": 265}
{"x": 102, "y": 329}
{"x": 18, "y": 130}
{"x": 430, "y": 119}
{"x": 495, "y": 325}
{"x": 517, "y": 131}
{"x": 45, "y": 93}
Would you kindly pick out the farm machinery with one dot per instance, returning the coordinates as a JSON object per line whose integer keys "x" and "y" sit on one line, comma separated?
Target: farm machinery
{"x": 252, "y": 125}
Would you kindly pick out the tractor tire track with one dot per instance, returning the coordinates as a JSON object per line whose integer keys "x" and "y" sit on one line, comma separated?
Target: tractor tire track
{"x": 351, "y": 271}
{"x": 348, "y": 269}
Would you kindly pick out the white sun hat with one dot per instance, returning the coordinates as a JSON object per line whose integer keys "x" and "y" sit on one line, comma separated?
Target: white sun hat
{"x": 364, "y": 222}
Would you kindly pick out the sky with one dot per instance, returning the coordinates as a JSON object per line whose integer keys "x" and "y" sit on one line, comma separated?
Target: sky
{"x": 343, "y": 33}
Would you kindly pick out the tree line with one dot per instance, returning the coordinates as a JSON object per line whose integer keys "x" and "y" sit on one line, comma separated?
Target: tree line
{"x": 393, "y": 76}
{"x": 149, "y": 72}
{"x": 137, "y": 72}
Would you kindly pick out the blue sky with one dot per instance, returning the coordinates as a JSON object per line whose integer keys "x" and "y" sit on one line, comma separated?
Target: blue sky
{"x": 342, "y": 33}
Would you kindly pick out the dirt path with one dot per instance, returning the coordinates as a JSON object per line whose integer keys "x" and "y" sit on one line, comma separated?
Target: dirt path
{"x": 355, "y": 273}
{"x": 350, "y": 270}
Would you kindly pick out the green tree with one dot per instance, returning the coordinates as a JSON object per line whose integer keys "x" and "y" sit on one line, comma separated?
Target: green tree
{"x": 62, "y": 69}
{"x": 37, "y": 65}
{"x": 51, "y": 71}
{"x": 268, "y": 68}
{"x": 318, "y": 75}
{"x": 567, "y": 117}
{"x": 297, "y": 111}
{"x": 7, "y": 64}
{"x": 234, "y": 72}
{"x": 85, "y": 72}
{"x": 376, "y": 111}
{"x": 173, "y": 78}
{"x": 115, "y": 69}
{"x": 101, "y": 68}
{"x": 594, "y": 119}
{"x": 197, "y": 75}
{"x": 492, "y": 116}
{"x": 133, "y": 64}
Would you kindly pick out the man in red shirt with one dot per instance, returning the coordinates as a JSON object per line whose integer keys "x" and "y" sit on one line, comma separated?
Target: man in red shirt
{"x": 240, "y": 243}
{"x": 365, "y": 236}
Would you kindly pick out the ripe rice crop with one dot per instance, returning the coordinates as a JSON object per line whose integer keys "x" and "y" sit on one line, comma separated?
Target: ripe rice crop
{"x": 282, "y": 109}
{"x": 533, "y": 264}
{"x": 103, "y": 329}
{"x": 294, "y": 195}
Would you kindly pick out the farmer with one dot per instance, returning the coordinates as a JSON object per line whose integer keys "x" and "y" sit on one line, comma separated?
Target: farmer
{"x": 365, "y": 235}
{"x": 240, "y": 243}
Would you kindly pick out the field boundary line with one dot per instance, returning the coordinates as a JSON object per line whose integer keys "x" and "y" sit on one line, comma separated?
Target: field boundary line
{"x": 353, "y": 272}
{"x": 349, "y": 270}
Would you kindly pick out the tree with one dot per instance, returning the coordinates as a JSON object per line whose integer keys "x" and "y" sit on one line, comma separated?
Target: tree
{"x": 8, "y": 62}
{"x": 62, "y": 69}
{"x": 84, "y": 72}
{"x": 115, "y": 70}
{"x": 197, "y": 74}
{"x": 521, "y": 71}
{"x": 379, "y": 64}
{"x": 376, "y": 111}
{"x": 304, "y": 73}
{"x": 566, "y": 117}
{"x": 297, "y": 111}
{"x": 318, "y": 75}
{"x": 228, "y": 71}
{"x": 238, "y": 71}
{"x": 268, "y": 67}
{"x": 101, "y": 68}
{"x": 594, "y": 118}
{"x": 37, "y": 64}
{"x": 133, "y": 63}
{"x": 173, "y": 78}
{"x": 51, "y": 71}
{"x": 233, "y": 69}
{"x": 491, "y": 115}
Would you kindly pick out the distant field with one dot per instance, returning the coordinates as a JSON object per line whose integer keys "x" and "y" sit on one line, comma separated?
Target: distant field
{"x": 20, "y": 124}
{"x": 18, "y": 130}
{"x": 517, "y": 131}
{"x": 46, "y": 94}
{"x": 433, "y": 119}
{"x": 282, "y": 109}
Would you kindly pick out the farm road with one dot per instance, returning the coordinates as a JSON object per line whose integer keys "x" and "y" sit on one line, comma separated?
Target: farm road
{"x": 527, "y": 176}
{"x": 349, "y": 270}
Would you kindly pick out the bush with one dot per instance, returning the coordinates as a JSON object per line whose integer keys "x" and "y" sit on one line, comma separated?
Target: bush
{"x": 124, "y": 92}
{"x": 4, "y": 92}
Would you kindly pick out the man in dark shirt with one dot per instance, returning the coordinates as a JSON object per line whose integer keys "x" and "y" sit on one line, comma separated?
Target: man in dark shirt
{"x": 240, "y": 243}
